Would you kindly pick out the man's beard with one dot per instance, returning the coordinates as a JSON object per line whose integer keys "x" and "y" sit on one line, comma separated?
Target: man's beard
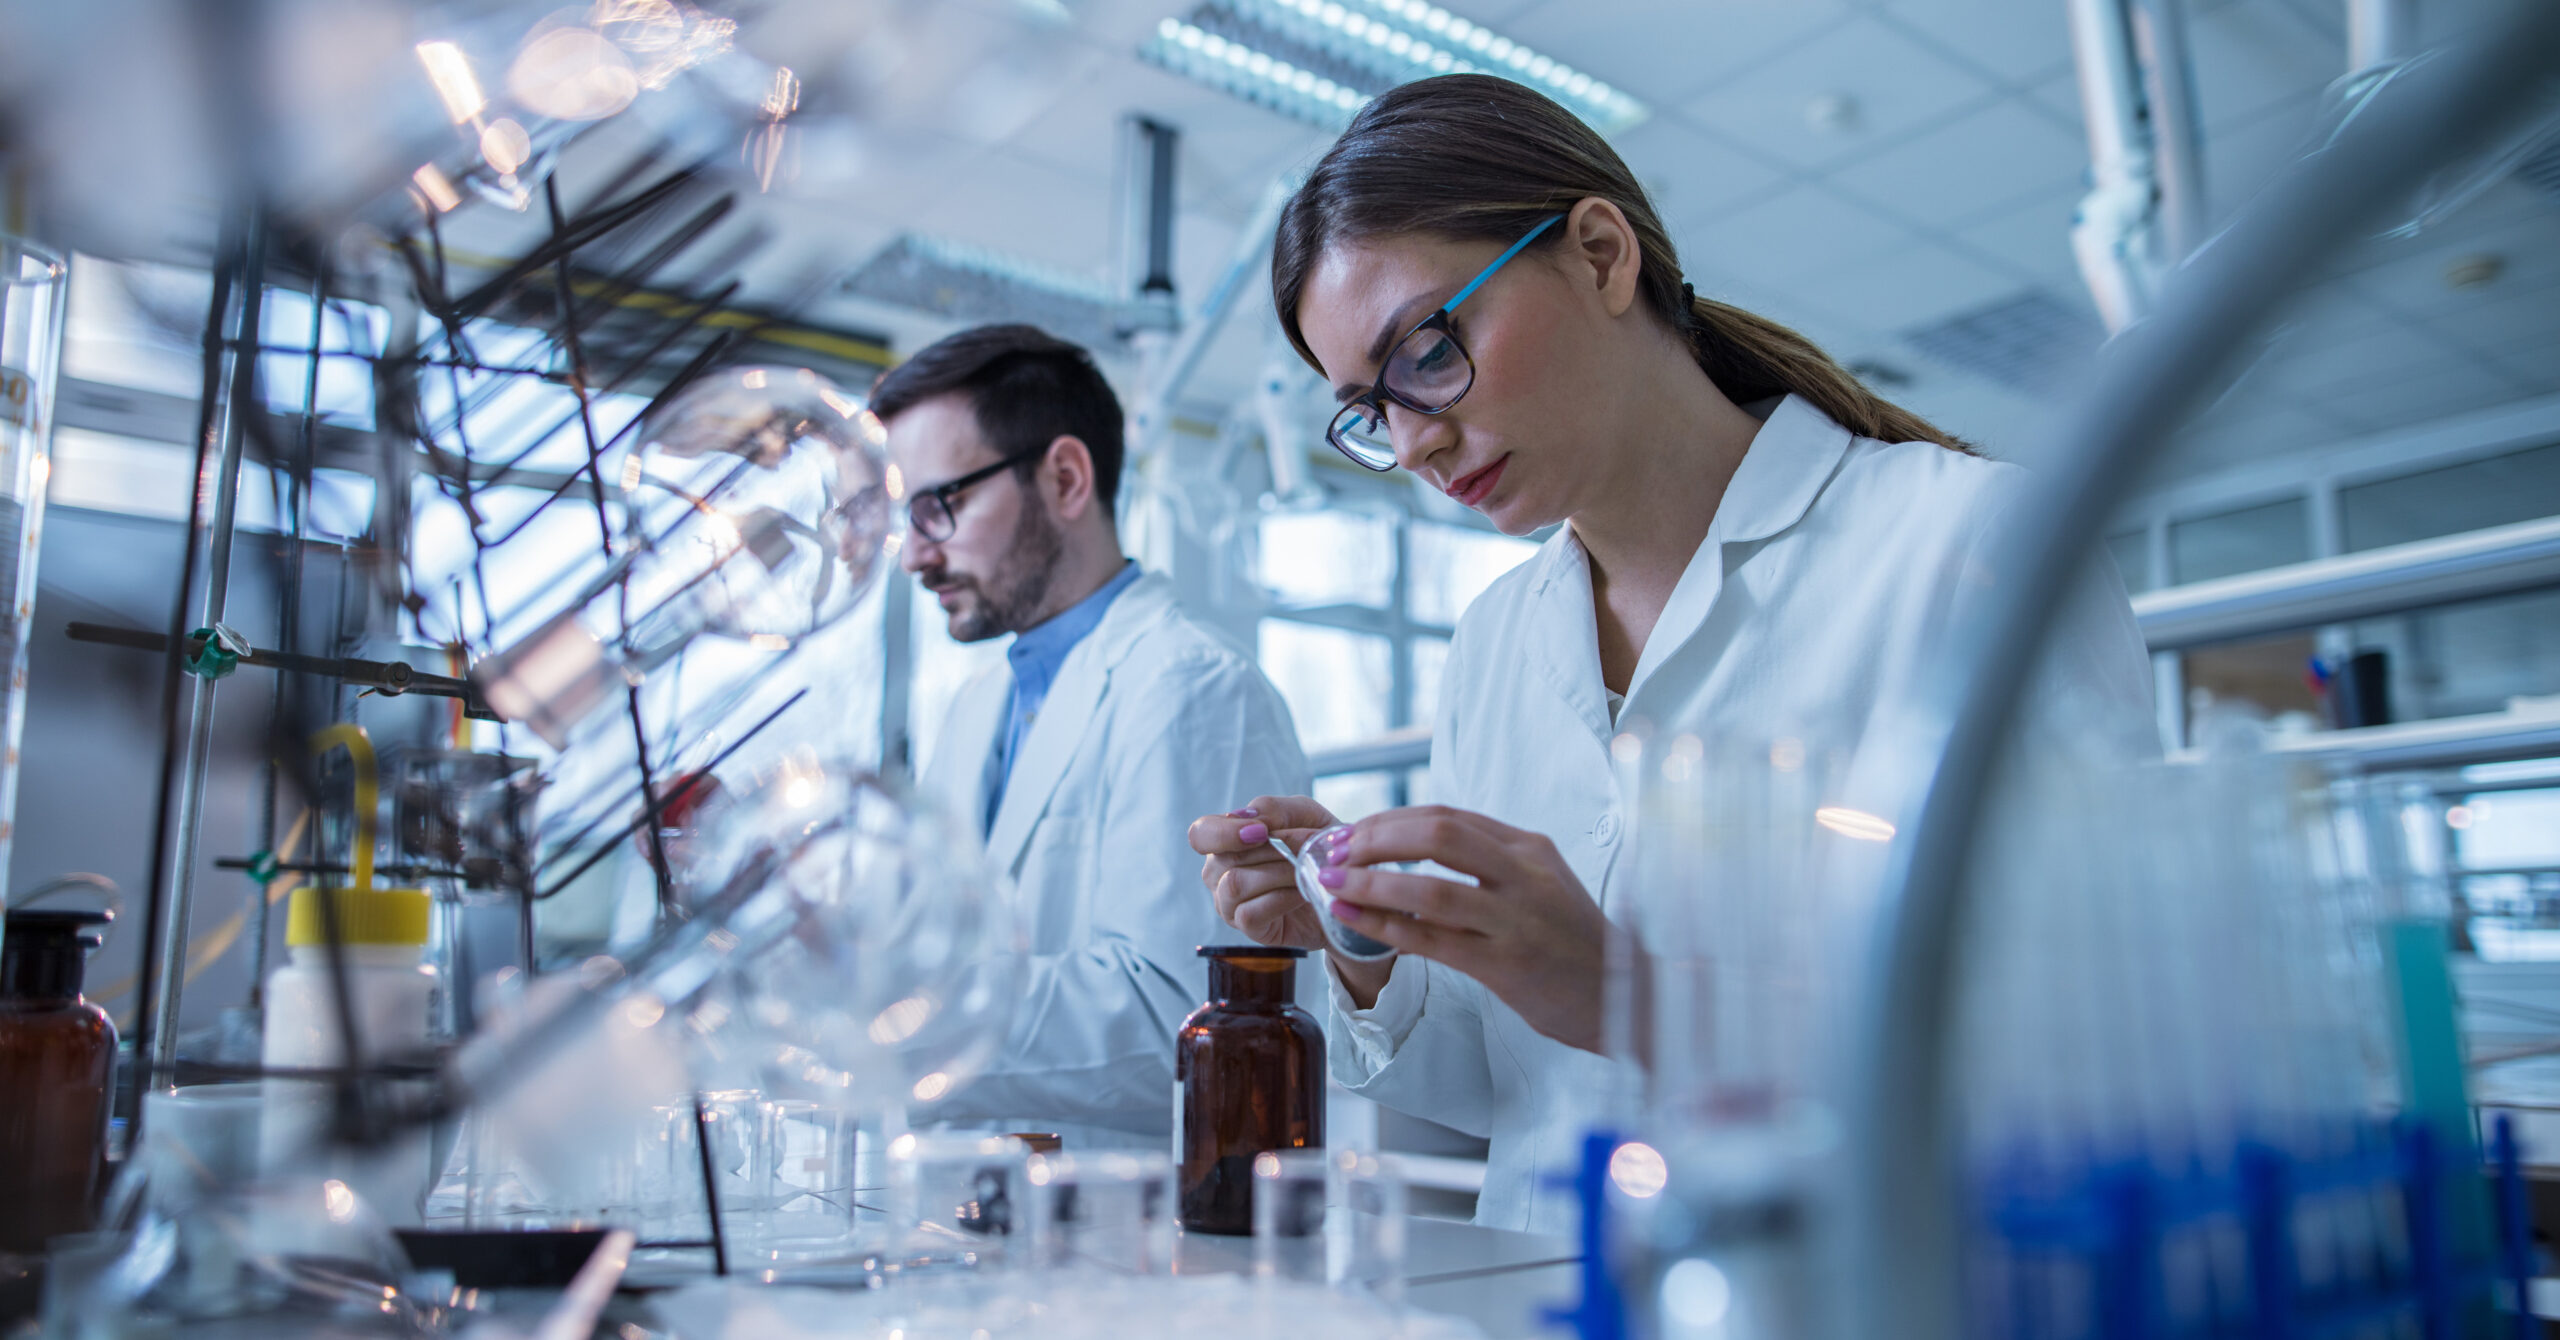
{"x": 1012, "y": 596}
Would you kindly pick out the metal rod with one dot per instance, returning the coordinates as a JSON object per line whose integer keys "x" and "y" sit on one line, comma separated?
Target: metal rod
{"x": 649, "y": 812}
{"x": 2379, "y": 31}
{"x": 238, "y": 400}
{"x": 2177, "y": 135}
{"x": 710, "y": 1186}
{"x": 158, "y": 927}
{"x": 1902, "y": 1226}
{"x": 2500, "y": 560}
{"x": 385, "y": 677}
{"x": 241, "y": 401}
{"x": 1154, "y": 417}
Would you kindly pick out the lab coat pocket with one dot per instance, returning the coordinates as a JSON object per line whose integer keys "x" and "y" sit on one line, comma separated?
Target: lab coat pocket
{"x": 1061, "y": 859}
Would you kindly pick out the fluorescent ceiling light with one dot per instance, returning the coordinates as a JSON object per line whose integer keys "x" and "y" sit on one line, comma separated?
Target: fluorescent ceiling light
{"x": 1319, "y": 60}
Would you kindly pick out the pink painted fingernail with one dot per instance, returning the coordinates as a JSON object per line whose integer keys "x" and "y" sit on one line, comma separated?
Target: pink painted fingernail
{"x": 1332, "y": 877}
{"x": 1338, "y": 853}
{"x": 1248, "y": 812}
{"x": 1253, "y": 834}
{"x": 1343, "y": 911}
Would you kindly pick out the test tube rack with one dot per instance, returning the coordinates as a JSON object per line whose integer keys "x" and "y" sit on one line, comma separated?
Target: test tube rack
{"x": 2086, "y": 1253}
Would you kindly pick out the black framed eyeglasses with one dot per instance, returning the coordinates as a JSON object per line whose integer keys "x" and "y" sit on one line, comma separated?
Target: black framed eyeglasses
{"x": 929, "y": 511}
{"x": 1427, "y": 371}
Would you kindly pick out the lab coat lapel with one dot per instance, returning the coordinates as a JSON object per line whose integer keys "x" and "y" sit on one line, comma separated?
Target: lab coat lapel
{"x": 1791, "y": 460}
{"x": 957, "y": 773}
{"x": 1566, "y": 642}
{"x": 1070, "y": 709}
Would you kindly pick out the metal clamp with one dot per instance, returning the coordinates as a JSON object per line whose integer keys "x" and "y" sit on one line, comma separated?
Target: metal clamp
{"x": 219, "y": 651}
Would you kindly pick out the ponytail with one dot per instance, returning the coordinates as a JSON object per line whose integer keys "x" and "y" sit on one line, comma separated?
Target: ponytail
{"x": 1472, "y": 156}
{"x": 1750, "y": 357}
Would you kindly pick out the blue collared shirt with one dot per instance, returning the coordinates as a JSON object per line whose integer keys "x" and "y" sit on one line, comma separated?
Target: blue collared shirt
{"x": 1036, "y": 655}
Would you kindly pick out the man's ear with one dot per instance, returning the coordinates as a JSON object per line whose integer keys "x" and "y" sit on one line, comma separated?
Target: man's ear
{"x": 1066, "y": 477}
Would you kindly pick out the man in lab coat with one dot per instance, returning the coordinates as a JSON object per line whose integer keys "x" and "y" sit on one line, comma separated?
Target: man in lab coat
{"x": 1114, "y": 721}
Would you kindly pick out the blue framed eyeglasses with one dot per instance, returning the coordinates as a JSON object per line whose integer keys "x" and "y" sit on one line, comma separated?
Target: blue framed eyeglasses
{"x": 1427, "y": 371}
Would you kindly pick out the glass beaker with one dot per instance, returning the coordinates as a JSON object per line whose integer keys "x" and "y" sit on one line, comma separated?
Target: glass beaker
{"x": 1112, "y": 1209}
{"x": 32, "y": 290}
{"x": 953, "y": 1198}
{"x": 808, "y": 1209}
{"x": 1335, "y": 1217}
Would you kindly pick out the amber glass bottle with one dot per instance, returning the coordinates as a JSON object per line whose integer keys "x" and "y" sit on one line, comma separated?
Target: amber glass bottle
{"x": 57, "y": 1062}
{"x": 1250, "y": 1067}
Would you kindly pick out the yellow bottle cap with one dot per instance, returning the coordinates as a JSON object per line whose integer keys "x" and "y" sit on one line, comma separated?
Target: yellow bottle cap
{"x": 365, "y": 917}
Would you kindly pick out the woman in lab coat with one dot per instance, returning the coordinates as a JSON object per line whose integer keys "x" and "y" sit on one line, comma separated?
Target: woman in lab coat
{"x": 1751, "y": 540}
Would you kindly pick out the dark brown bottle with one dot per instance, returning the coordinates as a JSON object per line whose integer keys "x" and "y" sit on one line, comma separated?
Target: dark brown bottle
{"x": 57, "y": 1061}
{"x": 1250, "y": 1065}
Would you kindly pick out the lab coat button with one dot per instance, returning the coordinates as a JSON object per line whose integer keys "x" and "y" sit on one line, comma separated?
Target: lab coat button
{"x": 1606, "y": 831}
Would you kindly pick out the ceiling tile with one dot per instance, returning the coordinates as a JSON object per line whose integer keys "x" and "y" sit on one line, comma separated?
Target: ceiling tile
{"x": 1905, "y": 288}
{"x": 2535, "y": 368}
{"x": 2254, "y": 55}
{"x": 891, "y": 172}
{"x": 2059, "y": 95}
{"x": 1975, "y": 165}
{"x": 1031, "y": 210}
{"x": 2380, "y": 405}
{"x": 2270, "y": 430}
{"x": 1800, "y": 230}
{"x": 2015, "y": 42}
{"x": 1231, "y": 149}
{"x": 2327, "y": 316}
{"x": 1787, "y": 305}
{"x": 1203, "y": 247}
{"x": 2002, "y": 424}
{"x": 2504, "y": 317}
{"x": 1691, "y": 174}
{"x": 1491, "y": 12}
{"x": 2032, "y": 239}
{"x": 2243, "y": 157}
{"x": 1896, "y": 87}
{"x": 2409, "y": 276}
{"x": 2384, "y": 350}
{"x": 1664, "y": 51}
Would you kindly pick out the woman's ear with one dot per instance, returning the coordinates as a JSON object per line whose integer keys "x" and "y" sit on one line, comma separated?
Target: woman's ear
{"x": 1603, "y": 253}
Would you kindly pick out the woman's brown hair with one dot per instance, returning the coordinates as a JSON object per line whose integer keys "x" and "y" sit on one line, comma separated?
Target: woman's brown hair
{"x": 1475, "y": 157}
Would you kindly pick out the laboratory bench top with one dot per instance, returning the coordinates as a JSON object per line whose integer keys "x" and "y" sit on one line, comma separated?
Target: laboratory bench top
{"x": 1498, "y": 1279}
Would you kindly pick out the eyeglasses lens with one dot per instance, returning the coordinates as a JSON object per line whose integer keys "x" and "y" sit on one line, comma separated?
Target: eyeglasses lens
{"x": 1428, "y": 371}
{"x": 1360, "y": 432}
{"x": 930, "y": 516}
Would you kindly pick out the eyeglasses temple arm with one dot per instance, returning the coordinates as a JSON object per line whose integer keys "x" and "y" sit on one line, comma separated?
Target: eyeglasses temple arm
{"x": 1500, "y": 261}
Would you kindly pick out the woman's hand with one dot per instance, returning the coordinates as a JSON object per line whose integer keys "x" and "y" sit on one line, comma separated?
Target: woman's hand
{"x": 1527, "y": 930}
{"x": 1257, "y": 889}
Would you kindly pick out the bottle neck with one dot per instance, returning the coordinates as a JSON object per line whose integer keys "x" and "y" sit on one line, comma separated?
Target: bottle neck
{"x": 1244, "y": 980}
{"x": 39, "y": 969}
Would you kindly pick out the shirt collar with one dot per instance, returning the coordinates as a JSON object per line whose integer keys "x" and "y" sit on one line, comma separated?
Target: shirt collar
{"x": 1037, "y": 652}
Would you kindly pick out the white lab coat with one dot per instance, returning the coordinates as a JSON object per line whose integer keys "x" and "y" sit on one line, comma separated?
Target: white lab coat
{"x": 1831, "y": 563}
{"x": 1152, "y": 722}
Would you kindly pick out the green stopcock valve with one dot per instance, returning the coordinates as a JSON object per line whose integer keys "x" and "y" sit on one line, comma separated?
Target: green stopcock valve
{"x": 220, "y": 654}
{"x": 263, "y": 867}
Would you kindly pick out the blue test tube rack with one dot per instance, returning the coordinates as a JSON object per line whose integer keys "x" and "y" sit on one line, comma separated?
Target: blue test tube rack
{"x": 2104, "y": 1233}
{"x": 2109, "y": 1227}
